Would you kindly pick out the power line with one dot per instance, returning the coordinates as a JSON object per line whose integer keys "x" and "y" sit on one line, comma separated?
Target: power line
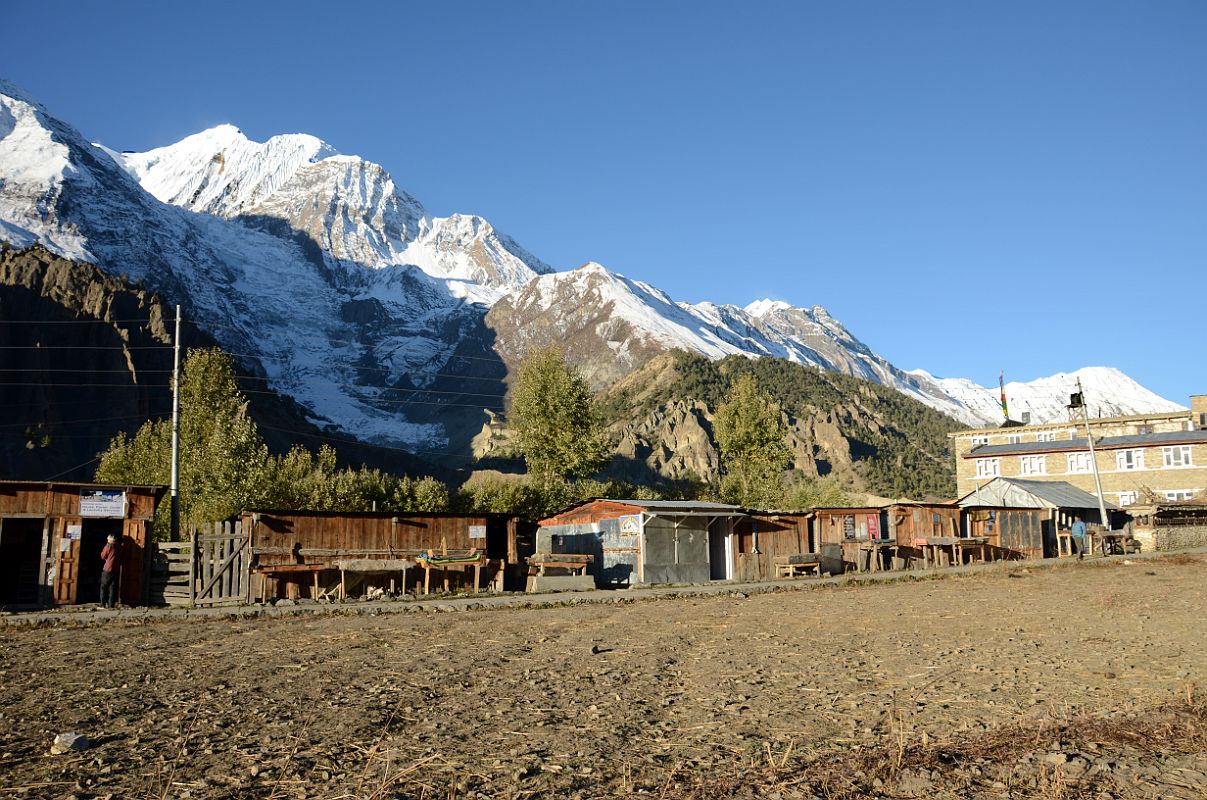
{"x": 118, "y": 347}
{"x": 77, "y": 321}
{"x": 382, "y": 388}
{"x": 367, "y": 444}
{"x": 89, "y": 385}
{"x": 74, "y": 421}
{"x": 73, "y": 469}
{"x": 93, "y": 371}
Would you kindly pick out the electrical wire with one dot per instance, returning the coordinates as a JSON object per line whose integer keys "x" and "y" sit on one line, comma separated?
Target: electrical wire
{"x": 73, "y": 421}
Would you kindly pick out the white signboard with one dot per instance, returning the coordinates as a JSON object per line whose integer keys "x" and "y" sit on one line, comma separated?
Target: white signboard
{"x": 630, "y": 525}
{"x": 75, "y": 531}
{"x": 477, "y": 531}
{"x": 102, "y": 503}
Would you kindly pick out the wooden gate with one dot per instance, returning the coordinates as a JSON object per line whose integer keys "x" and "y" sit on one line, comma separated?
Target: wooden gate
{"x": 221, "y": 561}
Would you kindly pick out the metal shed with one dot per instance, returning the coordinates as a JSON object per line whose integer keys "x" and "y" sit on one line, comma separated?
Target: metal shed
{"x": 52, "y": 533}
{"x": 646, "y": 541}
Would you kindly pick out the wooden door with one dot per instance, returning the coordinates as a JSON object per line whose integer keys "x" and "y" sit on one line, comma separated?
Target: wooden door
{"x": 67, "y": 566}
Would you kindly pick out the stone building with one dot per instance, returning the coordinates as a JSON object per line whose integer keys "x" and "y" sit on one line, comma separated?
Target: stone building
{"x": 1143, "y": 457}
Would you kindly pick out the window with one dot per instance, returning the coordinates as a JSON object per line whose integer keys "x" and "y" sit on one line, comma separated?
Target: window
{"x": 1014, "y": 438}
{"x": 988, "y": 467}
{"x": 1143, "y": 429}
{"x": 1032, "y": 465}
{"x": 977, "y": 441}
{"x": 1045, "y": 436}
{"x": 1179, "y": 494}
{"x": 1127, "y": 498}
{"x": 1129, "y": 459}
{"x": 1176, "y": 456}
{"x": 1080, "y": 462}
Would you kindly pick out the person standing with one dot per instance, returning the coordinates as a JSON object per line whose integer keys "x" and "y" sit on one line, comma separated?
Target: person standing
{"x": 1077, "y": 537}
{"x": 111, "y": 556}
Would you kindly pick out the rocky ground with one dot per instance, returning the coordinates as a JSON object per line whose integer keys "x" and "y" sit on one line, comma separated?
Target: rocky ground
{"x": 1080, "y": 681}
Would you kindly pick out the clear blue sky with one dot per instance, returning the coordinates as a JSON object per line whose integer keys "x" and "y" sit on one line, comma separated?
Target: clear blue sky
{"x": 968, "y": 186}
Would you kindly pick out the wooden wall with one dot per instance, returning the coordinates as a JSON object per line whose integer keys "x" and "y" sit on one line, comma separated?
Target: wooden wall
{"x": 778, "y": 535}
{"x": 318, "y": 538}
{"x": 1013, "y": 533}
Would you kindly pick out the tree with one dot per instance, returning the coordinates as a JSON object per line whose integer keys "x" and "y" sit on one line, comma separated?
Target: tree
{"x": 556, "y": 422}
{"x": 750, "y": 435}
{"x": 222, "y": 457}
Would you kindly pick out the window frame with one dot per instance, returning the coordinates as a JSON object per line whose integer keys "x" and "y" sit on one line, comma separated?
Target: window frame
{"x": 1137, "y": 459}
{"x": 1032, "y": 465}
{"x": 983, "y": 466}
{"x": 1169, "y": 450}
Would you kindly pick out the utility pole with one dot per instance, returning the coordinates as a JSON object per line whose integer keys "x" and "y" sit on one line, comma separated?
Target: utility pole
{"x": 1085, "y": 416}
{"x": 175, "y": 533}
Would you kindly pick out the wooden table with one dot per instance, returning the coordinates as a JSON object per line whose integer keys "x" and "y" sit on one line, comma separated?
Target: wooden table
{"x": 371, "y": 566}
{"x": 431, "y": 561}
{"x": 972, "y": 545}
{"x": 1116, "y": 542}
{"x": 266, "y": 570}
{"x": 797, "y": 565}
{"x": 950, "y": 549}
{"x": 875, "y": 548}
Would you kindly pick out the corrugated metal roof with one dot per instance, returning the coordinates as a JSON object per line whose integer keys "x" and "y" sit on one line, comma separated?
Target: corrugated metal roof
{"x": 676, "y": 505}
{"x": 1019, "y": 493}
{"x": 1146, "y": 439}
{"x": 1105, "y": 443}
{"x": 1025, "y": 448}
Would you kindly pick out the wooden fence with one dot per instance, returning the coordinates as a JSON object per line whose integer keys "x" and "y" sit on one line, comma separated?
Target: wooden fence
{"x": 211, "y": 569}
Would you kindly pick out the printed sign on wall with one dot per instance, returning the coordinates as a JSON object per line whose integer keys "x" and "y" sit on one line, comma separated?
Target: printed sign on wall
{"x": 102, "y": 503}
{"x": 477, "y": 531}
{"x": 630, "y": 525}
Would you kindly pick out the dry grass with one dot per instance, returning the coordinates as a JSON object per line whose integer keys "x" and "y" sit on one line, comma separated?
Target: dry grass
{"x": 1181, "y": 728}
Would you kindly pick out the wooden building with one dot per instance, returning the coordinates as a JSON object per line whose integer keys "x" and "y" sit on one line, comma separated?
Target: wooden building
{"x": 52, "y": 534}
{"x": 840, "y": 532}
{"x": 646, "y": 541}
{"x": 1021, "y": 518}
{"x": 911, "y": 524}
{"x": 761, "y": 537}
{"x": 291, "y": 550}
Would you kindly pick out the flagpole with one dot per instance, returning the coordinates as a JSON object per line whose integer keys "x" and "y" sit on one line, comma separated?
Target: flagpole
{"x": 1085, "y": 416}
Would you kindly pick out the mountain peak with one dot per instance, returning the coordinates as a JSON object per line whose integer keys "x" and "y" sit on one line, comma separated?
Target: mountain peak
{"x": 761, "y": 308}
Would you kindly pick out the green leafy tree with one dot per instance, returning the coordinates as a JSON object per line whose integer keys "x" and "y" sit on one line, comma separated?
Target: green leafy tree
{"x": 557, "y": 425}
{"x": 750, "y": 434}
{"x": 222, "y": 457}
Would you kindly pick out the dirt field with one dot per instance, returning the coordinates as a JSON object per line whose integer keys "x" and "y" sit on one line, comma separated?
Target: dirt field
{"x": 1078, "y": 681}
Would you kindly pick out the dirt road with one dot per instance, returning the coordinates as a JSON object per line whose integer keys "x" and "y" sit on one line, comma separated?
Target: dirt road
{"x": 1078, "y": 681}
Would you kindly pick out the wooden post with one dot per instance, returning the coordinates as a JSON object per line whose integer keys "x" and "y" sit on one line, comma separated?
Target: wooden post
{"x": 193, "y": 563}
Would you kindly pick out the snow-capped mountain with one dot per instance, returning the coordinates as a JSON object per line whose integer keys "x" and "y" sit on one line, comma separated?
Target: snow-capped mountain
{"x": 279, "y": 282}
{"x": 1108, "y": 393}
{"x": 609, "y": 324}
{"x": 348, "y": 206}
{"x": 385, "y": 322}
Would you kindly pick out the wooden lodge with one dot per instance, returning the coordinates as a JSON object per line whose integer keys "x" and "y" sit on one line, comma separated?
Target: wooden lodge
{"x": 304, "y": 553}
{"x": 52, "y": 534}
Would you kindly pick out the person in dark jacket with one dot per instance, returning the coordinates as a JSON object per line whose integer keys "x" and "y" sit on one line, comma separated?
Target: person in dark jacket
{"x": 112, "y": 558}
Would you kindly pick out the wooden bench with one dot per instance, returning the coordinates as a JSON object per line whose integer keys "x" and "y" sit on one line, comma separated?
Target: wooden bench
{"x": 575, "y": 563}
{"x": 797, "y": 565}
